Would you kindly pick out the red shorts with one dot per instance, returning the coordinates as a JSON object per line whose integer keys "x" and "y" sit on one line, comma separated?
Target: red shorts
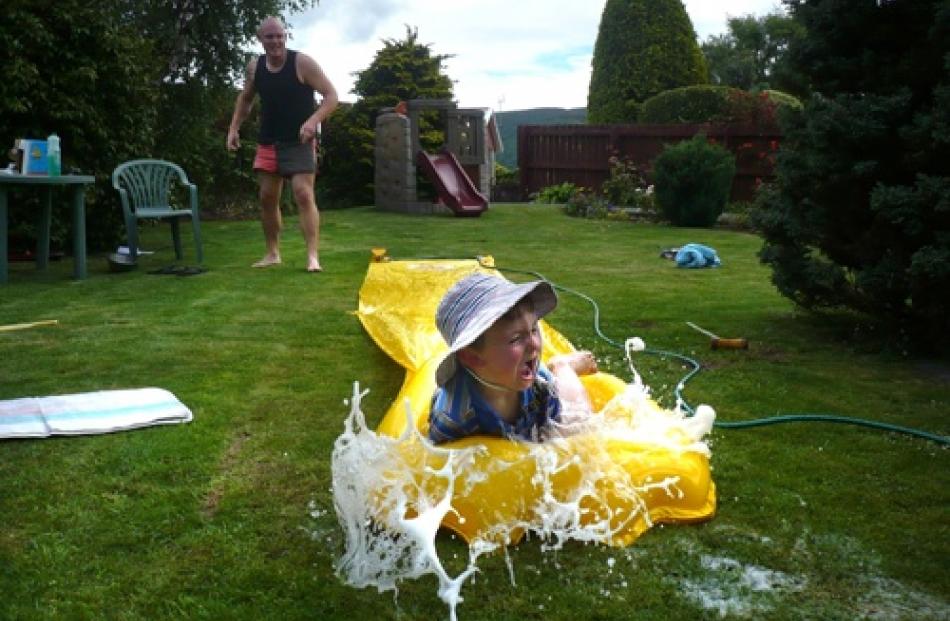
{"x": 287, "y": 158}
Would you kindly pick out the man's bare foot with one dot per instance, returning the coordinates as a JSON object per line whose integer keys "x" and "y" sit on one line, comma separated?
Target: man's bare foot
{"x": 582, "y": 362}
{"x": 267, "y": 261}
{"x": 313, "y": 265}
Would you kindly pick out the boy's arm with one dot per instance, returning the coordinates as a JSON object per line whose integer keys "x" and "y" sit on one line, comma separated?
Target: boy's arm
{"x": 441, "y": 426}
{"x": 566, "y": 369}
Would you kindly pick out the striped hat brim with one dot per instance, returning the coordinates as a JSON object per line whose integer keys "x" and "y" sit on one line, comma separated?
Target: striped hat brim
{"x": 476, "y": 302}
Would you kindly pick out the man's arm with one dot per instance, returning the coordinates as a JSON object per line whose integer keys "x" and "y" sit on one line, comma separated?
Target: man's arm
{"x": 242, "y": 108}
{"x": 310, "y": 73}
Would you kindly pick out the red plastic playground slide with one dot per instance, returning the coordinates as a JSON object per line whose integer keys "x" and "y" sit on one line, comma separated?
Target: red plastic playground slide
{"x": 455, "y": 189}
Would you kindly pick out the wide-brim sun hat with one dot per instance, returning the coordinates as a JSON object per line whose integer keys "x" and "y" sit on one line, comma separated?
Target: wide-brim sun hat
{"x": 477, "y": 301}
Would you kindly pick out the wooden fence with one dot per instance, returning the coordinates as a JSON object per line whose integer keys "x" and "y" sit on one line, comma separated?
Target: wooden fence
{"x": 554, "y": 154}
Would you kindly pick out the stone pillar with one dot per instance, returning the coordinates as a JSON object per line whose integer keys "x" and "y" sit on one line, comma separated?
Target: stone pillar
{"x": 487, "y": 177}
{"x": 395, "y": 174}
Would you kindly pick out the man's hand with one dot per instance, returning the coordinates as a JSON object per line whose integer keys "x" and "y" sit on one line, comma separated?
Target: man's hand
{"x": 308, "y": 131}
{"x": 234, "y": 140}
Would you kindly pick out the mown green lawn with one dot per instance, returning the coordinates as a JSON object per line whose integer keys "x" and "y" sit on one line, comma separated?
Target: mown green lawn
{"x": 231, "y": 516}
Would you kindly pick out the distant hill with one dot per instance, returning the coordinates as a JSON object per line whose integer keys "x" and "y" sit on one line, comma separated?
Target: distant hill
{"x": 508, "y": 123}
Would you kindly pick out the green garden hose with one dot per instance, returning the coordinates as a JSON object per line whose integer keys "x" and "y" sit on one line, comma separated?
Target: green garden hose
{"x": 695, "y": 368}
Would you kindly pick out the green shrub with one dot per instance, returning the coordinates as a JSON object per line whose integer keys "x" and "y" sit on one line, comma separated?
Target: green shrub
{"x": 716, "y": 104}
{"x": 507, "y": 185}
{"x": 783, "y": 100}
{"x": 693, "y": 179}
{"x": 348, "y": 160}
{"x": 102, "y": 100}
{"x": 503, "y": 174}
{"x": 736, "y": 216}
{"x": 688, "y": 104}
{"x": 624, "y": 196}
{"x": 555, "y": 194}
{"x": 585, "y": 203}
{"x": 626, "y": 185}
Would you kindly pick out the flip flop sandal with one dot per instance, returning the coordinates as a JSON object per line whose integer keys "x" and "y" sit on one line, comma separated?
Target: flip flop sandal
{"x": 191, "y": 271}
{"x": 168, "y": 269}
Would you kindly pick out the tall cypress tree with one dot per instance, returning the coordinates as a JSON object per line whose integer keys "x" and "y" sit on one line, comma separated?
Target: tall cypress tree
{"x": 643, "y": 47}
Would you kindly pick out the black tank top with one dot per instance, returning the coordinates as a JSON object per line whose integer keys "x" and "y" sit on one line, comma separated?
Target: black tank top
{"x": 286, "y": 102}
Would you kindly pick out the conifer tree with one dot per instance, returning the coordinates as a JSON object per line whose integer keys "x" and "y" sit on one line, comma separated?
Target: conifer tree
{"x": 402, "y": 69}
{"x": 859, "y": 214}
{"x": 643, "y": 47}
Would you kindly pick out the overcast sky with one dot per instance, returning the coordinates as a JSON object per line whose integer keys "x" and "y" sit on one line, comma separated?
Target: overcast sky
{"x": 508, "y": 54}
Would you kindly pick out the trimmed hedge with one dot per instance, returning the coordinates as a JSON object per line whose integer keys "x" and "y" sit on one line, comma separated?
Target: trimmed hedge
{"x": 783, "y": 100}
{"x": 715, "y": 104}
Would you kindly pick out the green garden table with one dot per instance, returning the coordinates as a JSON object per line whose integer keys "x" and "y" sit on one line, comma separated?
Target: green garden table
{"x": 76, "y": 184}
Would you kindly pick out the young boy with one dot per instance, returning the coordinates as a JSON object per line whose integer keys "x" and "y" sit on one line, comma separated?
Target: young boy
{"x": 492, "y": 381}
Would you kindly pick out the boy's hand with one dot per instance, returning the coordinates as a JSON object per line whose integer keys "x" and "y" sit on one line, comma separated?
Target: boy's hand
{"x": 582, "y": 362}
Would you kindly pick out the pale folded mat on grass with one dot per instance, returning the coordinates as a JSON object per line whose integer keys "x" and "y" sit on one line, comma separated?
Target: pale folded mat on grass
{"x": 90, "y": 413}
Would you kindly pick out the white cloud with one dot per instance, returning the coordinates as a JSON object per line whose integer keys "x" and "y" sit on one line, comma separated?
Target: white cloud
{"x": 354, "y": 21}
{"x": 512, "y": 54}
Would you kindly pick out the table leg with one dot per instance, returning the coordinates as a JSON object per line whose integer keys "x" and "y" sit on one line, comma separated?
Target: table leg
{"x": 79, "y": 231}
{"x": 3, "y": 235}
{"x": 43, "y": 229}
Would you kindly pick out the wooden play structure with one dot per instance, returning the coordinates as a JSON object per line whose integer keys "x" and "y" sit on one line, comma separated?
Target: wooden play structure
{"x": 461, "y": 172}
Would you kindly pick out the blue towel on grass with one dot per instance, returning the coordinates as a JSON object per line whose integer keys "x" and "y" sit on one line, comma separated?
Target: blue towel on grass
{"x": 90, "y": 413}
{"x": 697, "y": 255}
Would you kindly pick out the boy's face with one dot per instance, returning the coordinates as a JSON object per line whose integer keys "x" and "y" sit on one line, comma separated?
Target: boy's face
{"x": 509, "y": 353}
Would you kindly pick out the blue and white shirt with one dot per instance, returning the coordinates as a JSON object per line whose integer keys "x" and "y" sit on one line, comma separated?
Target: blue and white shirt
{"x": 459, "y": 410}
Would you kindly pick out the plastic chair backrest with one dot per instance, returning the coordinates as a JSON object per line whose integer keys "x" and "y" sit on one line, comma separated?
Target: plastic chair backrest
{"x": 147, "y": 182}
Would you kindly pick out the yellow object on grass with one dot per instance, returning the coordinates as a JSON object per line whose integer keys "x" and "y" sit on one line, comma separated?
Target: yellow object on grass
{"x": 613, "y": 487}
{"x": 25, "y": 326}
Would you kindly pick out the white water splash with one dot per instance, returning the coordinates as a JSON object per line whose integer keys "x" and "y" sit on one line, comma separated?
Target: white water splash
{"x": 727, "y": 580}
{"x": 384, "y": 541}
{"x": 391, "y": 494}
{"x": 731, "y": 588}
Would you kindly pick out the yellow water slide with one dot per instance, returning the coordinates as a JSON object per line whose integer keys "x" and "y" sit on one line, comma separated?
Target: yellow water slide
{"x": 611, "y": 484}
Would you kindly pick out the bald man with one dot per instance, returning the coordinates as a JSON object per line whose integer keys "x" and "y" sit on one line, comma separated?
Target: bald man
{"x": 286, "y": 81}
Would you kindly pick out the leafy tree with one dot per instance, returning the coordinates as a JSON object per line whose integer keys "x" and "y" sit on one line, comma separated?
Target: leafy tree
{"x": 119, "y": 79}
{"x": 643, "y": 47}
{"x": 200, "y": 50}
{"x": 205, "y": 41}
{"x": 193, "y": 140}
{"x": 403, "y": 69}
{"x": 859, "y": 215}
{"x": 751, "y": 54}
{"x": 73, "y": 69}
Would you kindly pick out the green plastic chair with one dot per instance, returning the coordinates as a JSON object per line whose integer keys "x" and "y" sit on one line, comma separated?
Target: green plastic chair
{"x": 144, "y": 187}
